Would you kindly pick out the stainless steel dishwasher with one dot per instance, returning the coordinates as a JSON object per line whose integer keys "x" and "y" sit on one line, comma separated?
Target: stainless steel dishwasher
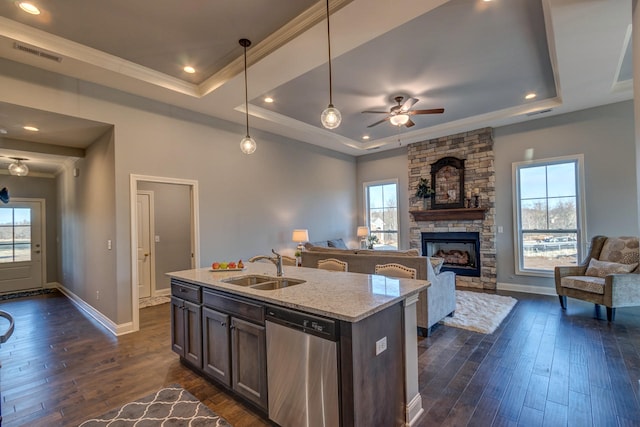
{"x": 302, "y": 369}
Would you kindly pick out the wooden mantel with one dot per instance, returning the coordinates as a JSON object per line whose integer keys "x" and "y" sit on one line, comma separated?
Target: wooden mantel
{"x": 446, "y": 214}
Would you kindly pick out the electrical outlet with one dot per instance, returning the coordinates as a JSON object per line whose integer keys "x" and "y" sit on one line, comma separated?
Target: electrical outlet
{"x": 109, "y": 244}
{"x": 97, "y": 295}
{"x": 381, "y": 345}
{"x": 500, "y": 229}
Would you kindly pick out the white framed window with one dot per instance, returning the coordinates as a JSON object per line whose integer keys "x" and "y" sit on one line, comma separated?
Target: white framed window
{"x": 549, "y": 214}
{"x": 381, "y": 212}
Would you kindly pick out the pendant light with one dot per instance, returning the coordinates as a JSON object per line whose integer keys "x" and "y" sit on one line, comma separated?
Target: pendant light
{"x": 247, "y": 145}
{"x": 18, "y": 168}
{"x": 331, "y": 116}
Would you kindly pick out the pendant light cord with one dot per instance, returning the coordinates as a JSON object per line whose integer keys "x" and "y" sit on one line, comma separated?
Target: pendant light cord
{"x": 329, "y": 45}
{"x": 246, "y": 95}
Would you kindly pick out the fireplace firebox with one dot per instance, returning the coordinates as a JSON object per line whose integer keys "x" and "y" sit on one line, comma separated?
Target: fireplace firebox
{"x": 460, "y": 251}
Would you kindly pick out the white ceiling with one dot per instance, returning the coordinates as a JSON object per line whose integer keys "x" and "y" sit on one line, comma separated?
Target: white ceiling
{"x": 474, "y": 58}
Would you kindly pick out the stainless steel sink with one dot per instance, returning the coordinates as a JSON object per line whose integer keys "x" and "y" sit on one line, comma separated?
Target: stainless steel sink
{"x": 248, "y": 280}
{"x": 278, "y": 283}
{"x": 264, "y": 283}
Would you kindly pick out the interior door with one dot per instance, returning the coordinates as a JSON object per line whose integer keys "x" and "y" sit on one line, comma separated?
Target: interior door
{"x": 144, "y": 244}
{"x": 21, "y": 250}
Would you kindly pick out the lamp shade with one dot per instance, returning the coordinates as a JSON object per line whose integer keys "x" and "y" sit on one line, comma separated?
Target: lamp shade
{"x": 300, "y": 236}
{"x": 363, "y": 231}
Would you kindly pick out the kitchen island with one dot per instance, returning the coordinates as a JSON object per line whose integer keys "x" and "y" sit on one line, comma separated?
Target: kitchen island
{"x": 363, "y": 325}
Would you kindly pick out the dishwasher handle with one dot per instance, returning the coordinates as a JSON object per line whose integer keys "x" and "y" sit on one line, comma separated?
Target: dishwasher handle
{"x": 4, "y": 337}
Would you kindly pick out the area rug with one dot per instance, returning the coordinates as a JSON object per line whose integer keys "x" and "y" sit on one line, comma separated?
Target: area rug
{"x": 171, "y": 406}
{"x": 151, "y": 301}
{"x": 479, "y": 312}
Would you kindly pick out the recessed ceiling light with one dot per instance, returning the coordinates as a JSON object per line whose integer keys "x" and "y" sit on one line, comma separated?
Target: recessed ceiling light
{"x": 31, "y": 128}
{"x": 530, "y": 95}
{"x": 189, "y": 69}
{"x": 366, "y": 137}
{"x": 29, "y": 7}
{"x": 268, "y": 100}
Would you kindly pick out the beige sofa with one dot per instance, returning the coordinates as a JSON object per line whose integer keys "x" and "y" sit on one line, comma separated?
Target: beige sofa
{"x": 438, "y": 301}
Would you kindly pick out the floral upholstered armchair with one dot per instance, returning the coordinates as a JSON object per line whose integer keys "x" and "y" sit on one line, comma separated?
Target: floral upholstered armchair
{"x": 608, "y": 276}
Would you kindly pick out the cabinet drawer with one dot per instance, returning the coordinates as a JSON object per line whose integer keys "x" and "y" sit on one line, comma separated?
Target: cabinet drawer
{"x": 245, "y": 309}
{"x": 185, "y": 291}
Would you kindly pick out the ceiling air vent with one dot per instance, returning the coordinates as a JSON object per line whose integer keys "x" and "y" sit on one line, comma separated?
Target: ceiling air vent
{"x": 535, "y": 113}
{"x": 38, "y": 52}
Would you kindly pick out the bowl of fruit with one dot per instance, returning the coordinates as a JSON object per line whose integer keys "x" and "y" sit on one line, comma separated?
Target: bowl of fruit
{"x": 218, "y": 266}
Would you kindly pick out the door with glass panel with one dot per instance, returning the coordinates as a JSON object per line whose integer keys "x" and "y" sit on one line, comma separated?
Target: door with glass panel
{"x": 21, "y": 250}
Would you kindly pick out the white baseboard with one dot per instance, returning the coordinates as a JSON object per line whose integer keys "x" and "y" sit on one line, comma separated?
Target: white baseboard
{"x": 527, "y": 289}
{"x": 112, "y": 327}
{"x": 413, "y": 410}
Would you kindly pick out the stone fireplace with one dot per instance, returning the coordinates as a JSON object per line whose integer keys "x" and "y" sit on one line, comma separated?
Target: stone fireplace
{"x": 476, "y": 149}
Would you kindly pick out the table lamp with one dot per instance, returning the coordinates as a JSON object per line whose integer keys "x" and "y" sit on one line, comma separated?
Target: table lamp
{"x": 300, "y": 237}
{"x": 362, "y": 233}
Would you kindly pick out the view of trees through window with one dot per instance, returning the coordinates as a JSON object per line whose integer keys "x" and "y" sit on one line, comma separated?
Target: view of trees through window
{"x": 382, "y": 214}
{"x": 15, "y": 234}
{"x": 548, "y": 215}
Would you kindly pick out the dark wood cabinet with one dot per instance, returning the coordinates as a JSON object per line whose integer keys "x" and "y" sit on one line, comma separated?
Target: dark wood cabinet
{"x": 234, "y": 345}
{"x": 249, "y": 361}
{"x": 186, "y": 322}
{"x": 186, "y": 336}
{"x": 216, "y": 345}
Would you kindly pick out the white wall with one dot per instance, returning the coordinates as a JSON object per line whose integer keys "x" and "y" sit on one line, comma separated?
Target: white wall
{"x": 605, "y": 136}
{"x": 248, "y": 204}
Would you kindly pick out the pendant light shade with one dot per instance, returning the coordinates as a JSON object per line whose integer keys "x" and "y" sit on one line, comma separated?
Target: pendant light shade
{"x": 331, "y": 116}
{"x": 399, "y": 119}
{"x": 247, "y": 145}
{"x": 18, "y": 168}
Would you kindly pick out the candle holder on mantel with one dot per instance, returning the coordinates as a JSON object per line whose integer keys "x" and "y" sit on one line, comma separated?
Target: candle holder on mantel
{"x": 476, "y": 200}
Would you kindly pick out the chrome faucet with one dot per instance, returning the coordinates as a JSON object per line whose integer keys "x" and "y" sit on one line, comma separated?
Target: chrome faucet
{"x": 276, "y": 260}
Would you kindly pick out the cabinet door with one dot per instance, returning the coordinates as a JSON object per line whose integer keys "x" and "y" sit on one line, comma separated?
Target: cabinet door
{"x": 177, "y": 326}
{"x": 215, "y": 345}
{"x": 248, "y": 361}
{"x": 193, "y": 333}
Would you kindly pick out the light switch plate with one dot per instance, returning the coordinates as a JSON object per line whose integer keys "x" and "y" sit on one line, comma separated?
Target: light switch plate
{"x": 381, "y": 345}
{"x": 157, "y": 239}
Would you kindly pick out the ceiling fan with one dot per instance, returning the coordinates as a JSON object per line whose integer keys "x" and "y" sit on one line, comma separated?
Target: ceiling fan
{"x": 400, "y": 114}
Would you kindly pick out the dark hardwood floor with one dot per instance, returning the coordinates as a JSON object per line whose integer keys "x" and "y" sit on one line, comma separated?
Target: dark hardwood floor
{"x": 541, "y": 367}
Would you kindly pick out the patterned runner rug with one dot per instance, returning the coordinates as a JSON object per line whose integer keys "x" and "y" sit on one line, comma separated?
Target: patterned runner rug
{"x": 171, "y": 406}
{"x": 479, "y": 312}
{"x": 151, "y": 301}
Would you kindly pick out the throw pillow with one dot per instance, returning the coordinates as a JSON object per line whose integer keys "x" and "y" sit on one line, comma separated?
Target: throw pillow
{"x": 599, "y": 268}
{"x": 337, "y": 243}
{"x": 436, "y": 263}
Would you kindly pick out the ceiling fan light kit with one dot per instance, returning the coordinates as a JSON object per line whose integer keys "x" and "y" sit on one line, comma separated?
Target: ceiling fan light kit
{"x": 247, "y": 144}
{"x": 17, "y": 168}
{"x": 400, "y": 114}
{"x": 331, "y": 116}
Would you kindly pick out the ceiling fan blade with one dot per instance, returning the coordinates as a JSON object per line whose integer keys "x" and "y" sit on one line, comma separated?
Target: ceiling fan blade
{"x": 406, "y": 106}
{"x": 432, "y": 111}
{"x": 369, "y": 111}
{"x": 409, "y": 123}
{"x": 378, "y": 122}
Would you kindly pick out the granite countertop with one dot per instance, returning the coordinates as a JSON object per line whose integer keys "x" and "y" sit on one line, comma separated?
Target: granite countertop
{"x": 345, "y": 296}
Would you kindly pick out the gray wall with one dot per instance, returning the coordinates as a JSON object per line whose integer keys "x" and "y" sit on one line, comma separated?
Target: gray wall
{"x": 86, "y": 224}
{"x": 392, "y": 164}
{"x": 247, "y": 204}
{"x": 172, "y": 222}
{"x": 40, "y": 188}
{"x": 604, "y": 135}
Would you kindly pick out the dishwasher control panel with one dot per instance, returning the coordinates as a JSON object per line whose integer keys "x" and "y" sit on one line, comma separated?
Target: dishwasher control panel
{"x": 309, "y": 323}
